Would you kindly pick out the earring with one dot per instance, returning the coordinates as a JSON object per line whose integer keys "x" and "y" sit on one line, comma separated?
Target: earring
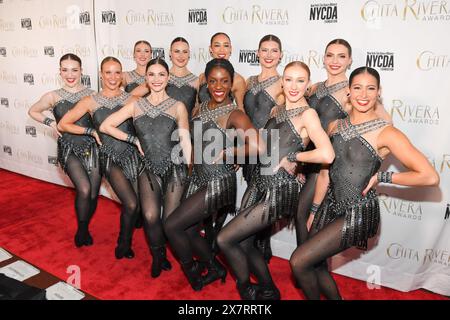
{"x": 348, "y": 95}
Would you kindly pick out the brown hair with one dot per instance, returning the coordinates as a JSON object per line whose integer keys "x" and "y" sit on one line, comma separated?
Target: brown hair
{"x": 107, "y": 59}
{"x": 342, "y": 42}
{"x": 270, "y": 37}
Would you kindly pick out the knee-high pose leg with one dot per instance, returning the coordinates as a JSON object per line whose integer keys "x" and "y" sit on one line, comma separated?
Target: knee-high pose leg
{"x": 235, "y": 243}
{"x": 86, "y": 193}
{"x": 311, "y": 254}
{"x": 127, "y": 196}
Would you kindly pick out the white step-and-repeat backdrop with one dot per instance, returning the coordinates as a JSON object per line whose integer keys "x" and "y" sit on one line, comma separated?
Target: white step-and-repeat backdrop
{"x": 406, "y": 40}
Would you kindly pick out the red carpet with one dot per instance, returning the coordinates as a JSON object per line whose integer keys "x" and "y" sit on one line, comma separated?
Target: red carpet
{"x": 37, "y": 223}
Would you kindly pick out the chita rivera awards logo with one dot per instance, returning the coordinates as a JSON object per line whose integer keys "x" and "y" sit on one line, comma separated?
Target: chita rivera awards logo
{"x": 7, "y": 77}
{"x": 441, "y": 163}
{"x": 249, "y": 57}
{"x": 429, "y": 60}
{"x": 380, "y": 60}
{"x": 401, "y": 208}
{"x": 200, "y": 55}
{"x": 256, "y": 14}
{"x": 397, "y": 251}
{"x": 326, "y": 12}
{"x": 9, "y": 127}
{"x": 24, "y": 52}
{"x": 313, "y": 58}
{"x": 422, "y": 114}
{"x": 119, "y": 51}
{"x": 150, "y": 17}
{"x": 6, "y": 25}
{"x": 198, "y": 16}
{"x": 53, "y": 22}
{"x": 406, "y": 10}
{"x": 78, "y": 49}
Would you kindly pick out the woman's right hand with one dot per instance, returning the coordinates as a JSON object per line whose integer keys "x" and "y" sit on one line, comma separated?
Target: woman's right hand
{"x": 138, "y": 146}
{"x": 55, "y": 128}
{"x": 309, "y": 222}
{"x": 97, "y": 137}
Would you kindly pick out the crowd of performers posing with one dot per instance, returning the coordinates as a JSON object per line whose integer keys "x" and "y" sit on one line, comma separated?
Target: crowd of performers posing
{"x": 316, "y": 165}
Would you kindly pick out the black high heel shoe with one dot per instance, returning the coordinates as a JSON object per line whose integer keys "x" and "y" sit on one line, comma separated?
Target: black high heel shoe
{"x": 159, "y": 262}
{"x": 215, "y": 271}
{"x": 122, "y": 251}
{"x": 83, "y": 237}
{"x": 193, "y": 275}
{"x": 247, "y": 291}
{"x": 268, "y": 292}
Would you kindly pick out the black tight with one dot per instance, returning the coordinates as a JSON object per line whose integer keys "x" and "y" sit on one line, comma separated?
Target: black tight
{"x": 236, "y": 240}
{"x": 308, "y": 261}
{"x": 87, "y": 186}
{"x": 151, "y": 197}
{"x": 182, "y": 229}
{"x": 304, "y": 205}
{"x": 125, "y": 191}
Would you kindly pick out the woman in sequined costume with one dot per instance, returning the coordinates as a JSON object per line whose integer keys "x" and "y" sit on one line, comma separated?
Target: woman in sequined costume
{"x": 289, "y": 129}
{"x": 77, "y": 154}
{"x": 142, "y": 53}
{"x": 220, "y": 48}
{"x": 156, "y": 119}
{"x": 349, "y": 214}
{"x": 329, "y": 99}
{"x": 212, "y": 185}
{"x": 261, "y": 96}
{"x": 119, "y": 161}
{"x": 183, "y": 84}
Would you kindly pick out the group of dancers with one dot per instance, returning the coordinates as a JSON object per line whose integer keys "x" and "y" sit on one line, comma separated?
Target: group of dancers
{"x": 169, "y": 143}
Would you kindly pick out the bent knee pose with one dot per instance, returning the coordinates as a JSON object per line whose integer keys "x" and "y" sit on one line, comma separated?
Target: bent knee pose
{"x": 119, "y": 160}
{"x": 157, "y": 119}
{"x": 275, "y": 196}
{"x": 77, "y": 154}
{"x": 220, "y": 48}
{"x": 213, "y": 182}
{"x": 350, "y": 213}
{"x": 262, "y": 94}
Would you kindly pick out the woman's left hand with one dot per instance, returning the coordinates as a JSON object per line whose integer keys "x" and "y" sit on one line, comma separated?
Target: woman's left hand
{"x": 372, "y": 183}
{"x": 290, "y": 167}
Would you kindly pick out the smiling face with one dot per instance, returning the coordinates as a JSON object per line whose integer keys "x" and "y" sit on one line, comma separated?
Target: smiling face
{"x": 70, "y": 71}
{"x": 269, "y": 54}
{"x": 157, "y": 78}
{"x": 179, "y": 53}
{"x": 219, "y": 84}
{"x": 220, "y": 47}
{"x": 111, "y": 75}
{"x": 364, "y": 91}
{"x": 295, "y": 82}
{"x": 337, "y": 59}
{"x": 142, "y": 54}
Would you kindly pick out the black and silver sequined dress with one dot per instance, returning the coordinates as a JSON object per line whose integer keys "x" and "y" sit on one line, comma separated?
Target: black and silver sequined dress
{"x": 220, "y": 178}
{"x": 112, "y": 150}
{"x": 181, "y": 89}
{"x": 82, "y": 146}
{"x": 136, "y": 80}
{"x": 257, "y": 105}
{"x": 355, "y": 163}
{"x": 155, "y": 128}
{"x": 203, "y": 94}
{"x": 278, "y": 191}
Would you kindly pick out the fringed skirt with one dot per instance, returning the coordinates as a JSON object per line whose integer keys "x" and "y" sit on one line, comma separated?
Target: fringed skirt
{"x": 221, "y": 192}
{"x": 129, "y": 160}
{"x": 83, "y": 147}
{"x": 362, "y": 218}
{"x": 174, "y": 174}
{"x": 279, "y": 193}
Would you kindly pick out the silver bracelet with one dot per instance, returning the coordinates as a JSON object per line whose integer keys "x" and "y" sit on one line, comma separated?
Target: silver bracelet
{"x": 385, "y": 176}
{"x": 47, "y": 121}
{"x": 292, "y": 156}
{"x": 314, "y": 208}
{"x": 89, "y": 131}
{"x": 132, "y": 139}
